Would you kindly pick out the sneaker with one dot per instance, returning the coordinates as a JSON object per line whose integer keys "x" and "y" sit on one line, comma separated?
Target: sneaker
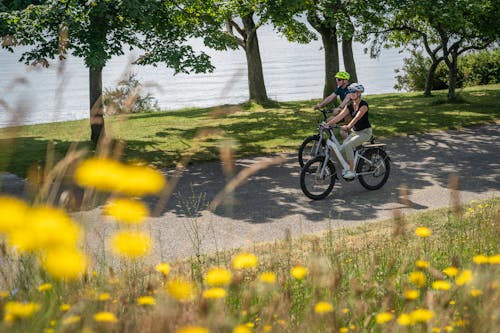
{"x": 348, "y": 174}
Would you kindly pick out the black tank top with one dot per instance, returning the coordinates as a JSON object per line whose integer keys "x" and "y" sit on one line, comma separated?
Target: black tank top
{"x": 362, "y": 123}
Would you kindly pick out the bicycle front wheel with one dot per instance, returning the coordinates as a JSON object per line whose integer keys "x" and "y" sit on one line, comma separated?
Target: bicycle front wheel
{"x": 310, "y": 148}
{"x": 317, "y": 179}
{"x": 375, "y": 170}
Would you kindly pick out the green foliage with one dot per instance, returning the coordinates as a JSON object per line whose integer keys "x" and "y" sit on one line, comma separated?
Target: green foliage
{"x": 473, "y": 69}
{"x": 128, "y": 97}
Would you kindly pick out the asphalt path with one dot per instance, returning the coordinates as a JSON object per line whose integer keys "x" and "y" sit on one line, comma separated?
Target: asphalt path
{"x": 269, "y": 204}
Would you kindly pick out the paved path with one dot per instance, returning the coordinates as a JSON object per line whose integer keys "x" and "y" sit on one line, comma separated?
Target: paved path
{"x": 270, "y": 203}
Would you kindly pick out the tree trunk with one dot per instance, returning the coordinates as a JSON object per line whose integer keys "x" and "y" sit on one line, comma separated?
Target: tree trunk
{"x": 96, "y": 106}
{"x": 430, "y": 78}
{"x": 331, "y": 47}
{"x": 452, "y": 84}
{"x": 348, "y": 55}
{"x": 256, "y": 85}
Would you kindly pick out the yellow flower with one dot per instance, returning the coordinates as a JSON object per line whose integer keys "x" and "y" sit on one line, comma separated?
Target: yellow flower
{"x": 127, "y": 211}
{"x": 103, "y": 296}
{"x": 384, "y": 317}
{"x": 267, "y": 328}
{"x": 45, "y": 228}
{"x": 218, "y": 277}
{"x": 163, "y": 268}
{"x": 441, "y": 285}
{"x": 193, "y": 329}
{"x": 131, "y": 244}
{"x": 44, "y": 287}
{"x": 494, "y": 260}
{"x": 323, "y": 307}
{"x": 13, "y": 213}
{"x": 245, "y": 261}
{"x": 422, "y": 232}
{"x": 421, "y": 315}
{"x": 345, "y": 310}
{"x": 146, "y": 300}
{"x": 475, "y": 292}
{"x": 480, "y": 259}
{"x": 448, "y": 328}
{"x": 464, "y": 277}
{"x": 70, "y": 320}
{"x": 19, "y": 310}
{"x": 422, "y": 264}
{"x": 268, "y": 277}
{"x": 411, "y": 294}
{"x": 299, "y": 272}
{"x": 343, "y": 330}
{"x": 182, "y": 290}
{"x": 241, "y": 329}
{"x": 417, "y": 278}
{"x": 436, "y": 330}
{"x": 214, "y": 293}
{"x": 105, "y": 317}
{"x": 65, "y": 263}
{"x": 111, "y": 176}
{"x": 404, "y": 320}
{"x": 4, "y": 294}
{"x": 450, "y": 271}
{"x": 65, "y": 307}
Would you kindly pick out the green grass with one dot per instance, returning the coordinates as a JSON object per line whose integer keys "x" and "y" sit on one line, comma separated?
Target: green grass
{"x": 162, "y": 138}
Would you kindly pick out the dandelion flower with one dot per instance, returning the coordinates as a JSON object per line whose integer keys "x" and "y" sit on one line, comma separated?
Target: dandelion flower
{"x": 19, "y": 310}
{"x": 417, "y": 278}
{"x": 104, "y": 297}
{"x": 127, "y": 211}
{"x": 217, "y": 276}
{"x": 193, "y": 329}
{"x": 241, "y": 329}
{"x": 105, "y": 317}
{"x": 441, "y": 285}
{"x": 475, "y": 292}
{"x": 323, "y": 307}
{"x": 268, "y": 277}
{"x": 422, "y": 232}
{"x": 411, "y": 294}
{"x": 64, "y": 307}
{"x": 45, "y": 287}
{"x": 142, "y": 180}
{"x": 422, "y": 264}
{"x": 245, "y": 261}
{"x": 480, "y": 259}
{"x": 13, "y": 213}
{"x": 146, "y": 300}
{"x": 299, "y": 272}
{"x": 182, "y": 290}
{"x": 421, "y": 315}
{"x": 450, "y": 271}
{"x": 494, "y": 260}
{"x": 404, "y": 319}
{"x": 384, "y": 317}
{"x": 464, "y": 277}
{"x": 214, "y": 293}
{"x": 131, "y": 244}
{"x": 4, "y": 294}
{"x": 65, "y": 263}
{"x": 163, "y": 268}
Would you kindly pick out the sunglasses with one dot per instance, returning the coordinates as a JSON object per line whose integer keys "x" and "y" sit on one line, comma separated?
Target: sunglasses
{"x": 338, "y": 79}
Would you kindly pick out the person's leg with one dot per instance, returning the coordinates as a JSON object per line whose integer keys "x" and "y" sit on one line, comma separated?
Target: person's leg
{"x": 352, "y": 141}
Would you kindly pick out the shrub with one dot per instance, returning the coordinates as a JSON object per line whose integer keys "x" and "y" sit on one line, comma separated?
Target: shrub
{"x": 127, "y": 97}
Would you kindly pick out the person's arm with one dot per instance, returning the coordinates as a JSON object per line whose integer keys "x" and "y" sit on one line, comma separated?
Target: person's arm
{"x": 326, "y": 101}
{"x": 356, "y": 118}
{"x": 338, "y": 117}
{"x": 346, "y": 101}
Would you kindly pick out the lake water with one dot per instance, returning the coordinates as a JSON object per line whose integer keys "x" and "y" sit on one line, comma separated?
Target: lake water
{"x": 292, "y": 72}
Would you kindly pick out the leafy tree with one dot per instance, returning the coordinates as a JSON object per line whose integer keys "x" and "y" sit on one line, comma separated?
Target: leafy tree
{"x": 446, "y": 28}
{"x": 97, "y": 30}
{"x": 244, "y": 18}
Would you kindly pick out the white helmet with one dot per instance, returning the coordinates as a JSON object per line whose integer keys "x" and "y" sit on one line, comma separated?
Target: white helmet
{"x": 354, "y": 87}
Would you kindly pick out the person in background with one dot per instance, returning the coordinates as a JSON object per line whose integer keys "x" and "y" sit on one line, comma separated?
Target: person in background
{"x": 342, "y": 79}
{"x": 359, "y": 124}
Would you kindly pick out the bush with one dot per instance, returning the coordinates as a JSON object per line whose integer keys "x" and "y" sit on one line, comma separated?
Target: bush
{"x": 127, "y": 98}
{"x": 473, "y": 69}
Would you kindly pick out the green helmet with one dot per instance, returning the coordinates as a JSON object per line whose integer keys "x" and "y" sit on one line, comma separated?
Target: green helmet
{"x": 342, "y": 75}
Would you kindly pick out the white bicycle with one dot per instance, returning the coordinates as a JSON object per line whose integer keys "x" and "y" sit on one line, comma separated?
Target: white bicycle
{"x": 372, "y": 168}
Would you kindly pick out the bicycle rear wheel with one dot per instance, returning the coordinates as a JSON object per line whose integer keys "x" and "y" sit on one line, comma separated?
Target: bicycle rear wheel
{"x": 376, "y": 170}
{"x": 315, "y": 182}
{"x": 310, "y": 148}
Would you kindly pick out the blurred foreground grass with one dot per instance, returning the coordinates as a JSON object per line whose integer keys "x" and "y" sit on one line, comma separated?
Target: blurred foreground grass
{"x": 162, "y": 138}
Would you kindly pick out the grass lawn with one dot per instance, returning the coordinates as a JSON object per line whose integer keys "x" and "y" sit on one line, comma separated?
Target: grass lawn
{"x": 163, "y": 138}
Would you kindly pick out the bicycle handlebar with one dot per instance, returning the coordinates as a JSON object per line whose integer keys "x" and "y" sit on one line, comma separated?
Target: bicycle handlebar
{"x": 324, "y": 112}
